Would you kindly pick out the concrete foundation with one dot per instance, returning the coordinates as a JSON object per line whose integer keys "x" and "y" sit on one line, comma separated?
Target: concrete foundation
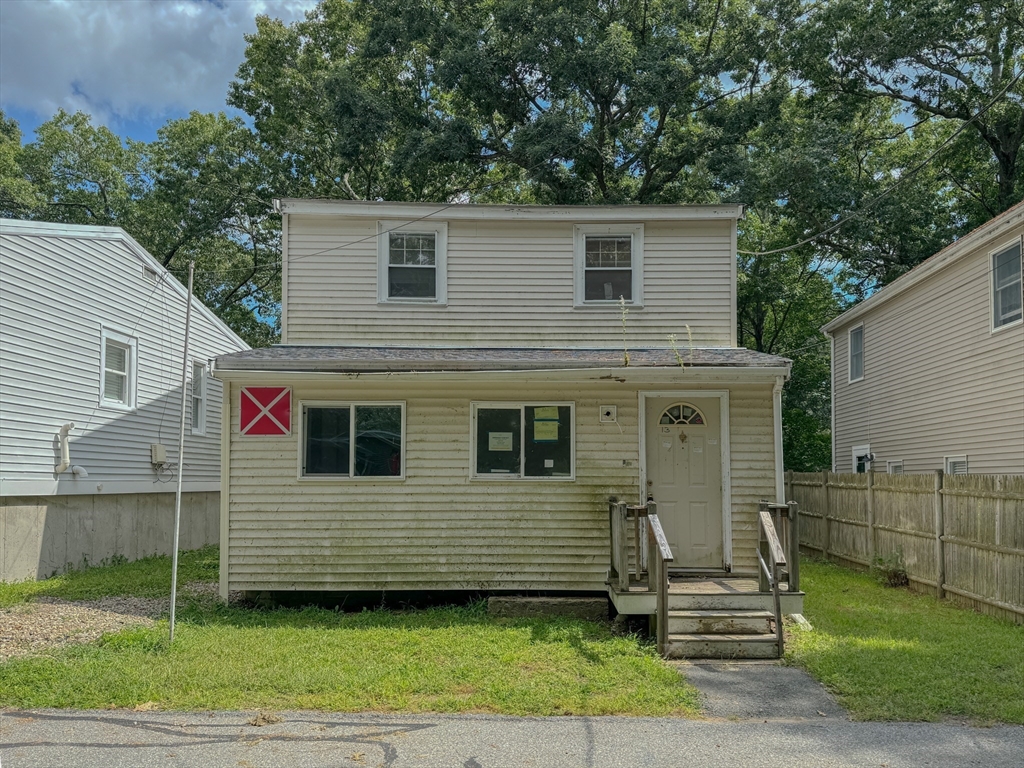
{"x": 44, "y": 535}
{"x": 588, "y": 608}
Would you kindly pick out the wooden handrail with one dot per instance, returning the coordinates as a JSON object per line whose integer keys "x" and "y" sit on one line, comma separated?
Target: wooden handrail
{"x": 778, "y": 555}
{"x": 664, "y": 550}
{"x": 660, "y": 557}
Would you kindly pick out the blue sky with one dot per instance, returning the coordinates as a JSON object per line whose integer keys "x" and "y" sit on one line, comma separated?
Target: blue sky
{"x": 131, "y": 64}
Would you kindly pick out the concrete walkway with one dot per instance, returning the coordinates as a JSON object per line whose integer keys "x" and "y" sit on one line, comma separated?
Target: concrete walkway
{"x": 311, "y": 740}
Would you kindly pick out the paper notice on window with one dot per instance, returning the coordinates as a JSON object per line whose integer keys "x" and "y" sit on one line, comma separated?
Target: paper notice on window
{"x": 546, "y": 412}
{"x": 499, "y": 441}
{"x": 545, "y": 431}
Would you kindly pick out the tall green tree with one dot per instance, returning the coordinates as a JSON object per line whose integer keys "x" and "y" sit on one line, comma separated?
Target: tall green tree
{"x": 945, "y": 60}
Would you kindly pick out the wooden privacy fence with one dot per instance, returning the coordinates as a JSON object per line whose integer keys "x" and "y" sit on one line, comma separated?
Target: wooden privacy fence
{"x": 960, "y": 536}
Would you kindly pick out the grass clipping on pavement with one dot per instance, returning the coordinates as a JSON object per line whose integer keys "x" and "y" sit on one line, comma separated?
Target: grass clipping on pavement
{"x": 891, "y": 654}
{"x": 453, "y": 659}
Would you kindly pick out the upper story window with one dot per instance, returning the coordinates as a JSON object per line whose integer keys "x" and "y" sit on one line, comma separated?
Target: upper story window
{"x": 117, "y": 370}
{"x": 198, "y": 398}
{"x": 412, "y": 260}
{"x": 1007, "y": 299}
{"x": 609, "y": 264}
{"x": 857, "y": 353}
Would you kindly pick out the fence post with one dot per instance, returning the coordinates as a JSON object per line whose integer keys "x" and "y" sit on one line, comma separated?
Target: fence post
{"x": 871, "y": 515}
{"x": 827, "y": 512}
{"x": 789, "y": 486}
{"x": 940, "y": 555}
{"x": 794, "y": 546}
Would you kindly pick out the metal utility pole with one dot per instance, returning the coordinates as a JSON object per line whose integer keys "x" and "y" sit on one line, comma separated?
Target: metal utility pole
{"x": 181, "y": 448}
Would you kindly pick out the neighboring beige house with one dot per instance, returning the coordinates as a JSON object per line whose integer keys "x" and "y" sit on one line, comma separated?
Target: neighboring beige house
{"x": 461, "y": 389}
{"x": 928, "y": 373}
{"x": 91, "y": 342}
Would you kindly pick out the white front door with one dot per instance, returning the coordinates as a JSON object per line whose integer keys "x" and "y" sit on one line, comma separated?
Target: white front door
{"x": 684, "y": 476}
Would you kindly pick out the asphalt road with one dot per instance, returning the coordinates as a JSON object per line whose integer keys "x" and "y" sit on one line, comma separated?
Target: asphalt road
{"x": 117, "y": 739}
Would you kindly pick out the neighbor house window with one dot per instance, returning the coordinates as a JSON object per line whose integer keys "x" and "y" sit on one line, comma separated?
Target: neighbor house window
{"x": 521, "y": 440}
{"x": 198, "y": 399}
{"x": 1007, "y": 299}
{"x": 411, "y": 262}
{"x": 857, "y": 353}
{"x": 118, "y": 370}
{"x": 352, "y": 440}
{"x": 862, "y": 458}
{"x": 609, "y": 264}
{"x": 894, "y": 467}
{"x": 956, "y": 465}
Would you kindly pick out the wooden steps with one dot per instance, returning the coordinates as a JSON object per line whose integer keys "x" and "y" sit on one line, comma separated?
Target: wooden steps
{"x": 712, "y": 624}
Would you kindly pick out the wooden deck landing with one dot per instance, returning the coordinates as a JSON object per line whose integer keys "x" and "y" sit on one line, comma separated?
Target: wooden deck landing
{"x": 687, "y": 591}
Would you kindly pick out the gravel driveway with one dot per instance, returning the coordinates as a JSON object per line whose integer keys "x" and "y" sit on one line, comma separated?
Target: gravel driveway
{"x": 49, "y": 622}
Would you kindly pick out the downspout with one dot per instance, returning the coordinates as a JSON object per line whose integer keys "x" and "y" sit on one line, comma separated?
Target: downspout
{"x": 832, "y": 392}
{"x": 65, "y": 453}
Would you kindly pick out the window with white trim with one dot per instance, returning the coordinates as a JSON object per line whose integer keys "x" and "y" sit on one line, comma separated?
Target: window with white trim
{"x": 524, "y": 440}
{"x": 198, "y": 398}
{"x": 352, "y": 440}
{"x": 857, "y": 353}
{"x": 117, "y": 369}
{"x": 862, "y": 458}
{"x": 1007, "y": 299}
{"x": 608, "y": 264}
{"x": 412, "y": 262}
{"x": 894, "y": 467}
{"x": 956, "y": 465}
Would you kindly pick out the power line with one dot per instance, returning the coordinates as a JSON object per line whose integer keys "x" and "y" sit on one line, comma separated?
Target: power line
{"x": 914, "y": 171}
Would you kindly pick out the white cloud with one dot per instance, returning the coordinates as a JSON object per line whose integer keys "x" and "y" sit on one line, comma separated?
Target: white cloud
{"x": 127, "y": 59}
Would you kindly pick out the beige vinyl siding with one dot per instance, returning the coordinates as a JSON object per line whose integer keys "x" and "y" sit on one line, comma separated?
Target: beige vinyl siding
{"x": 57, "y": 293}
{"x": 937, "y": 382}
{"x": 438, "y": 529}
{"x": 509, "y": 284}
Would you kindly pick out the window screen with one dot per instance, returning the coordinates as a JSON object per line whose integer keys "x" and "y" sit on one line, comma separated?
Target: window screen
{"x": 857, "y": 354}
{"x": 498, "y": 441}
{"x": 115, "y": 372}
{"x": 548, "y": 446}
{"x": 1006, "y": 286}
{"x": 412, "y": 265}
{"x": 378, "y": 441}
{"x": 328, "y": 432}
{"x": 608, "y": 268}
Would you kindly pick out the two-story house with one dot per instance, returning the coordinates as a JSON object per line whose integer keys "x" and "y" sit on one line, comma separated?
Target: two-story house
{"x": 461, "y": 389}
{"x": 92, "y": 332}
{"x": 928, "y": 373}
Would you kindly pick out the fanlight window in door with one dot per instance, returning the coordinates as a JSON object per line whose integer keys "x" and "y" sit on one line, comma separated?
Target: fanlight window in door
{"x": 681, "y": 414}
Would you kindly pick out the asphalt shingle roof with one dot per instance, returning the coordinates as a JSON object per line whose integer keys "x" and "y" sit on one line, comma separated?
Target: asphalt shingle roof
{"x": 405, "y": 359}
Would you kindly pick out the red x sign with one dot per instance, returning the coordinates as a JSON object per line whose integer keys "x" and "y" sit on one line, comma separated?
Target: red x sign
{"x": 266, "y": 411}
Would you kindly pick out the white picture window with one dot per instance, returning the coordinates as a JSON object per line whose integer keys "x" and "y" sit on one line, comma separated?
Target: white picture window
{"x": 118, "y": 366}
{"x": 857, "y": 353}
{"x": 862, "y": 458}
{"x": 412, "y": 262}
{"x": 956, "y": 465}
{"x": 608, "y": 264}
{"x": 1007, "y": 299}
{"x": 524, "y": 440}
{"x": 894, "y": 467}
{"x": 345, "y": 440}
{"x": 198, "y": 398}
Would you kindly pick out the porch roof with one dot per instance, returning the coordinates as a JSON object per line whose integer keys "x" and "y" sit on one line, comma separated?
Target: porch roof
{"x": 286, "y": 358}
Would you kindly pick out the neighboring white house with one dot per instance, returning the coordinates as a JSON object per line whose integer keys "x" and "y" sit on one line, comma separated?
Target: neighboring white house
{"x": 928, "y": 373}
{"x": 91, "y": 335}
{"x": 461, "y": 389}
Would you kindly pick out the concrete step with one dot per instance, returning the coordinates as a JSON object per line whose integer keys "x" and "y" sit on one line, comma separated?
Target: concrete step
{"x": 733, "y": 622}
{"x": 792, "y": 602}
{"x": 703, "y": 646}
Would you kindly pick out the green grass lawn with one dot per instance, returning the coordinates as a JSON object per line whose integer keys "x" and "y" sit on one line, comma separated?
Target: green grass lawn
{"x": 890, "y": 654}
{"x": 149, "y": 577}
{"x": 455, "y": 659}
